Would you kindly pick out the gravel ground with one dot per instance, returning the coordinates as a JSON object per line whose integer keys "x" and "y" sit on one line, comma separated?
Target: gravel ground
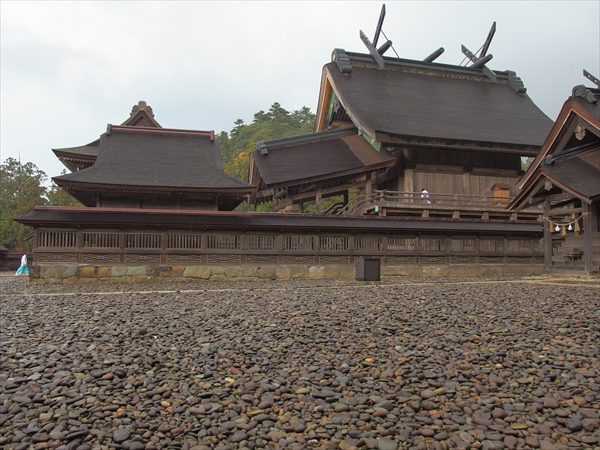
{"x": 405, "y": 363}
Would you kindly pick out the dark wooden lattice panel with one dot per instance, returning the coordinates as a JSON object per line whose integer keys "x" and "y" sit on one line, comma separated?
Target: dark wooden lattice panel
{"x": 143, "y": 240}
{"x": 432, "y": 245}
{"x": 368, "y": 244}
{"x": 400, "y": 244}
{"x": 462, "y": 260}
{"x": 92, "y": 258}
{"x": 142, "y": 257}
{"x": 57, "y": 239}
{"x": 94, "y": 239}
{"x": 491, "y": 260}
{"x": 298, "y": 259}
{"x": 491, "y": 245}
{"x": 223, "y": 259}
{"x": 462, "y": 245}
{"x": 57, "y": 257}
{"x": 518, "y": 260}
{"x": 184, "y": 241}
{"x": 223, "y": 242}
{"x": 261, "y": 259}
{"x": 331, "y": 259}
{"x": 397, "y": 260}
{"x": 333, "y": 243}
{"x": 432, "y": 260}
{"x": 519, "y": 246}
{"x": 184, "y": 259}
{"x": 299, "y": 243}
{"x": 260, "y": 242}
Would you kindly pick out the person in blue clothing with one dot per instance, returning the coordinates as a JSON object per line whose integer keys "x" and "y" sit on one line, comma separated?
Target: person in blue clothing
{"x": 23, "y": 269}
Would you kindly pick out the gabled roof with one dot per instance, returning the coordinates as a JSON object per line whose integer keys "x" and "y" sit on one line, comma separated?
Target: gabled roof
{"x": 163, "y": 158}
{"x": 424, "y": 102}
{"x": 570, "y": 157}
{"x": 575, "y": 111}
{"x": 76, "y": 158}
{"x": 306, "y": 158}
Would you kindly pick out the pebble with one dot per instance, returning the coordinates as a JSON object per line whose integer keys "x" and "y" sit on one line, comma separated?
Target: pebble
{"x": 429, "y": 363}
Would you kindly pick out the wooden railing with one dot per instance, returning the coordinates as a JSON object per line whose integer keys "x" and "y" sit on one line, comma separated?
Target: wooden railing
{"x": 435, "y": 202}
{"x": 219, "y": 247}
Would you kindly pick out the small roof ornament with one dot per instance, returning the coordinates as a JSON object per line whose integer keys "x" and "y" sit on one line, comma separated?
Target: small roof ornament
{"x": 590, "y": 94}
{"x": 142, "y": 105}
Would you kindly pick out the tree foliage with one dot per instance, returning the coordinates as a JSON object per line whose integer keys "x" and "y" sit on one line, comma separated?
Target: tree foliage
{"x": 59, "y": 197}
{"x": 237, "y": 145}
{"x": 277, "y": 122}
{"x": 21, "y": 188}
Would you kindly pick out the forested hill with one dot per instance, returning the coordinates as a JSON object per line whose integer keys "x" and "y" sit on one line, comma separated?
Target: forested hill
{"x": 237, "y": 145}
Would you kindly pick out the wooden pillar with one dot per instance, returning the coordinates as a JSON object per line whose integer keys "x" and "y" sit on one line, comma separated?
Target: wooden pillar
{"x": 318, "y": 200}
{"x": 300, "y": 206}
{"x": 588, "y": 233}
{"x": 409, "y": 175}
{"x": 466, "y": 179}
{"x": 345, "y": 197}
{"x": 547, "y": 239}
{"x": 368, "y": 189}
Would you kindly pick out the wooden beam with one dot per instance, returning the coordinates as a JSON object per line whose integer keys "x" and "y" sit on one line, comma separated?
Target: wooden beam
{"x": 547, "y": 240}
{"x": 588, "y": 233}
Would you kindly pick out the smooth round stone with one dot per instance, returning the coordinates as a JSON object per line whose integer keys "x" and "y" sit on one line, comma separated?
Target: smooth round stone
{"x": 239, "y": 436}
{"x": 387, "y": 444}
{"x": 121, "y": 435}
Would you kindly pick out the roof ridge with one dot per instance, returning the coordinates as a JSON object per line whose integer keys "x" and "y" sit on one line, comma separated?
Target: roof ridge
{"x": 304, "y": 138}
{"x": 151, "y": 130}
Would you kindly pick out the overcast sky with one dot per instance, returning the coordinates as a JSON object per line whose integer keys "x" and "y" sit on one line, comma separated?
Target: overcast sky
{"x": 70, "y": 68}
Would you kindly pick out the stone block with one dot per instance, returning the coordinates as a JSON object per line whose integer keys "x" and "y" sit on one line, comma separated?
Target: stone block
{"x": 135, "y": 271}
{"x": 86, "y": 272}
{"x": 218, "y": 277}
{"x": 217, "y": 270}
{"x": 202, "y": 272}
{"x": 53, "y": 272}
{"x": 266, "y": 272}
{"x": 70, "y": 280}
{"x": 331, "y": 271}
{"x": 316, "y": 272}
{"x": 118, "y": 271}
{"x": 283, "y": 272}
{"x": 233, "y": 272}
{"x": 88, "y": 280}
{"x": 347, "y": 272}
{"x": 177, "y": 271}
{"x": 34, "y": 272}
{"x": 299, "y": 271}
{"x": 165, "y": 272}
{"x": 138, "y": 278}
{"x": 389, "y": 271}
{"x": 251, "y": 271}
{"x": 72, "y": 271}
{"x": 104, "y": 272}
{"x": 152, "y": 271}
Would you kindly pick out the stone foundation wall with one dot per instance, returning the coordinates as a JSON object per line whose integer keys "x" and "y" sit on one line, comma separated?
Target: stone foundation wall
{"x": 91, "y": 274}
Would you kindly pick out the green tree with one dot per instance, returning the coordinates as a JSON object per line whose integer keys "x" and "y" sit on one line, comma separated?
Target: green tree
{"x": 237, "y": 145}
{"x": 21, "y": 188}
{"x": 58, "y": 197}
